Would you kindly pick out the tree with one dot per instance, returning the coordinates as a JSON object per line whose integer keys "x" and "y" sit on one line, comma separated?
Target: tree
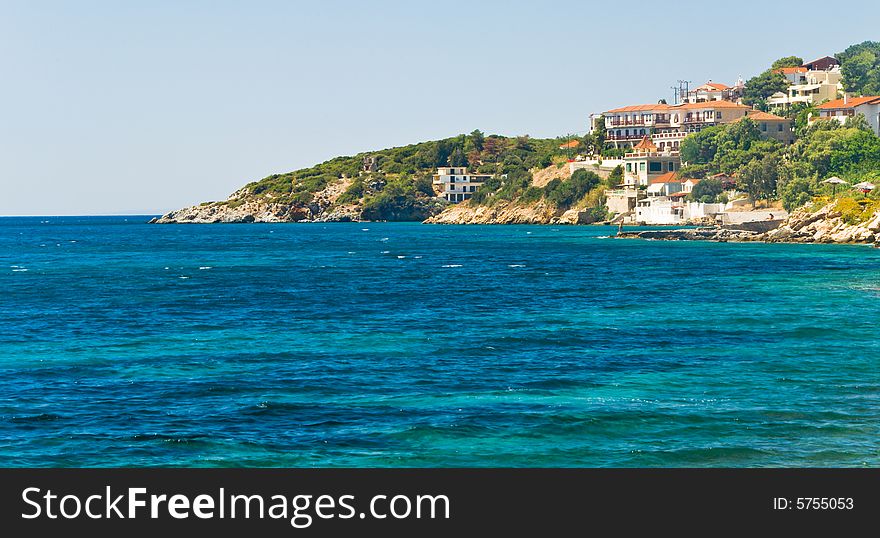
{"x": 788, "y": 61}
{"x": 493, "y": 146}
{"x": 457, "y": 158}
{"x": 860, "y": 68}
{"x": 796, "y": 193}
{"x": 599, "y": 132}
{"x": 706, "y": 191}
{"x": 759, "y": 88}
{"x": 700, "y": 148}
{"x": 857, "y": 122}
{"x": 564, "y": 194}
{"x": 759, "y": 177}
{"x": 616, "y": 176}
{"x": 477, "y": 139}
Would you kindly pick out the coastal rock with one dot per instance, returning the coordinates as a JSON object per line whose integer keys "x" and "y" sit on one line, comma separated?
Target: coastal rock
{"x": 500, "y": 213}
{"x": 692, "y": 234}
{"x": 824, "y": 225}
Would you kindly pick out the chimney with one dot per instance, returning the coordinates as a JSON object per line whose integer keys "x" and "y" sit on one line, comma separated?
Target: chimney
{"x": 845, "y": 98}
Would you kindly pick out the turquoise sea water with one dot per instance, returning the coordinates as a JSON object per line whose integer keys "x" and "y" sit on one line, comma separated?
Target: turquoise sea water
{"x": 126, "y": 344}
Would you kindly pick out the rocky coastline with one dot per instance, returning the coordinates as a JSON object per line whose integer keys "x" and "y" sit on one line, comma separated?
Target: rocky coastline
{"x": 805, "y": 225}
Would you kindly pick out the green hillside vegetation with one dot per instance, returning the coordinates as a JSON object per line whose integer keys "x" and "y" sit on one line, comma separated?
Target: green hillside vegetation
{"x": 401, "y": 188}
{"x": 768, "y": 170}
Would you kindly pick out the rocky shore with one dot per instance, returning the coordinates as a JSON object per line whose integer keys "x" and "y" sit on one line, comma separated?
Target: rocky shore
{"x": 805, "y": 225}
{"x": 242, "y": 208}
{"x": 510, "y": 213}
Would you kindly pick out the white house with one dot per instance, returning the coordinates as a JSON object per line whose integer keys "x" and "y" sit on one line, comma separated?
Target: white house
{"x": 456, "y": 185}
{"x": 841, "y": 109}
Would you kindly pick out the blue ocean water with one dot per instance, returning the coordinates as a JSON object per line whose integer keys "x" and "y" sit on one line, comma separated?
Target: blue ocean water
{"x": 397, "y": 344}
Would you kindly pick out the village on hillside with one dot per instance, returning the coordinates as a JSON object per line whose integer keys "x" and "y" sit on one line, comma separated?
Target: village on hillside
{"x": 640, "y": 144}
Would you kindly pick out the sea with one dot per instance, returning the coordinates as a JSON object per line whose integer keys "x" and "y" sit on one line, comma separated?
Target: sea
{"x": 413, "y": 345}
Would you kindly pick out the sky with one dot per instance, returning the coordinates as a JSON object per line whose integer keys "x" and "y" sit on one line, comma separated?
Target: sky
{"x": 141, "y": 107}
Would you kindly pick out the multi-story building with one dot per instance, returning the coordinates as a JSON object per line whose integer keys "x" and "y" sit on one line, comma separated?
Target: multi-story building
{"x": 456, "y": 185}
{"x": 811, "y": 87}
{"x": 848, "y": 107}
{"x": 647, "y": 162}
{"x": 715, "y": 91}
{"x": 772, "y": 126}
{"x": 666, "y": 124}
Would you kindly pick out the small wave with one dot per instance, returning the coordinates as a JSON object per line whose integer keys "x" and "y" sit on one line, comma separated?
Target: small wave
{"x": 42, "y": 417}
{"x": 385, "y": 252}
{"x": 19, "y": 270}
{"x": 205, "y": 268}
{"x": 603, "y": 237}
{"x": 451, "y": 266}
{"x": 183, "y": 277}
{"x": 516, "y": 265}
{"x": 365, "y": 229}
{"x": 352, "y": 252}
{"x": 384, "y": 239}
{"x": 417, "y": 257}
{"x": 401, "y": 257}
{"x": 181, "y": 439}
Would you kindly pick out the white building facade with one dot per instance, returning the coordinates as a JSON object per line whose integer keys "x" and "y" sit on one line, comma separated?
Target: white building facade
{"x": 456, "y": 184}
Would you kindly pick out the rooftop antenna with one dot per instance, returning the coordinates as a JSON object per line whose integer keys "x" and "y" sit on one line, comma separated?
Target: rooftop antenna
{"x": 683, "y": 89}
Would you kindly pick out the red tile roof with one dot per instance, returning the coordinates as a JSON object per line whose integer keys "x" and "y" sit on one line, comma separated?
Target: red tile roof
{"x": 714, "y": 86}
{"x": 639, "y": 108}
{"x": 790, "y": 70}
{"x": 570, "y": 144}
{"x": 851, "y": 102}
{"x": 757, "y": 115}
{"x": 646, "y": 144}
{"x": 710, "y": 104}
{"x": 668, "y": 177}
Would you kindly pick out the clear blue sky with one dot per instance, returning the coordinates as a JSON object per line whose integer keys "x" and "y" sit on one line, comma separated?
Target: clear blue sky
{"x": 142, "y": 107}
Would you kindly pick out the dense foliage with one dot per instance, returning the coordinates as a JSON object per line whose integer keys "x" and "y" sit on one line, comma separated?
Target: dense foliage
{"x": 759, "y": 88}
{"x": 766, "y": 169}
{"x": 860, "y": 67}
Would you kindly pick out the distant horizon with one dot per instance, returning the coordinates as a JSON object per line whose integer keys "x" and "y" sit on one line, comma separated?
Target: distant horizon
{"x": 166, "y": 106}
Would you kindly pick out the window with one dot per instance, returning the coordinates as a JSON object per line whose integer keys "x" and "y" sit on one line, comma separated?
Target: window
{"x": 629, "y": 167}
{"x": 718, "y": 115}
{"x": 671, "y": 166}
{"x": 764, "y": 127}
{"x": 779, "y": 128}
{"x": 654, "y": 166}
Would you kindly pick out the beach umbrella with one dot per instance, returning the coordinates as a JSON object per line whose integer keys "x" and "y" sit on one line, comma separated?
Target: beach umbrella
{"x": 834, "y": 181}
{"x": 864, "y": 186}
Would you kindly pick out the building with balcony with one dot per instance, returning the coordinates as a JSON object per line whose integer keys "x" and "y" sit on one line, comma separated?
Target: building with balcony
{"x": 715, "y": 91}
{"x": 666, "y": 124}
{"x": 647, "y": 162}
{"x": 456, "y": 184}
{"x": 812, "y": 87}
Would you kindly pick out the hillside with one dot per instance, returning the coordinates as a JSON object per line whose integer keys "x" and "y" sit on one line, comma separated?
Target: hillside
{"x": 393, "y": 184}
